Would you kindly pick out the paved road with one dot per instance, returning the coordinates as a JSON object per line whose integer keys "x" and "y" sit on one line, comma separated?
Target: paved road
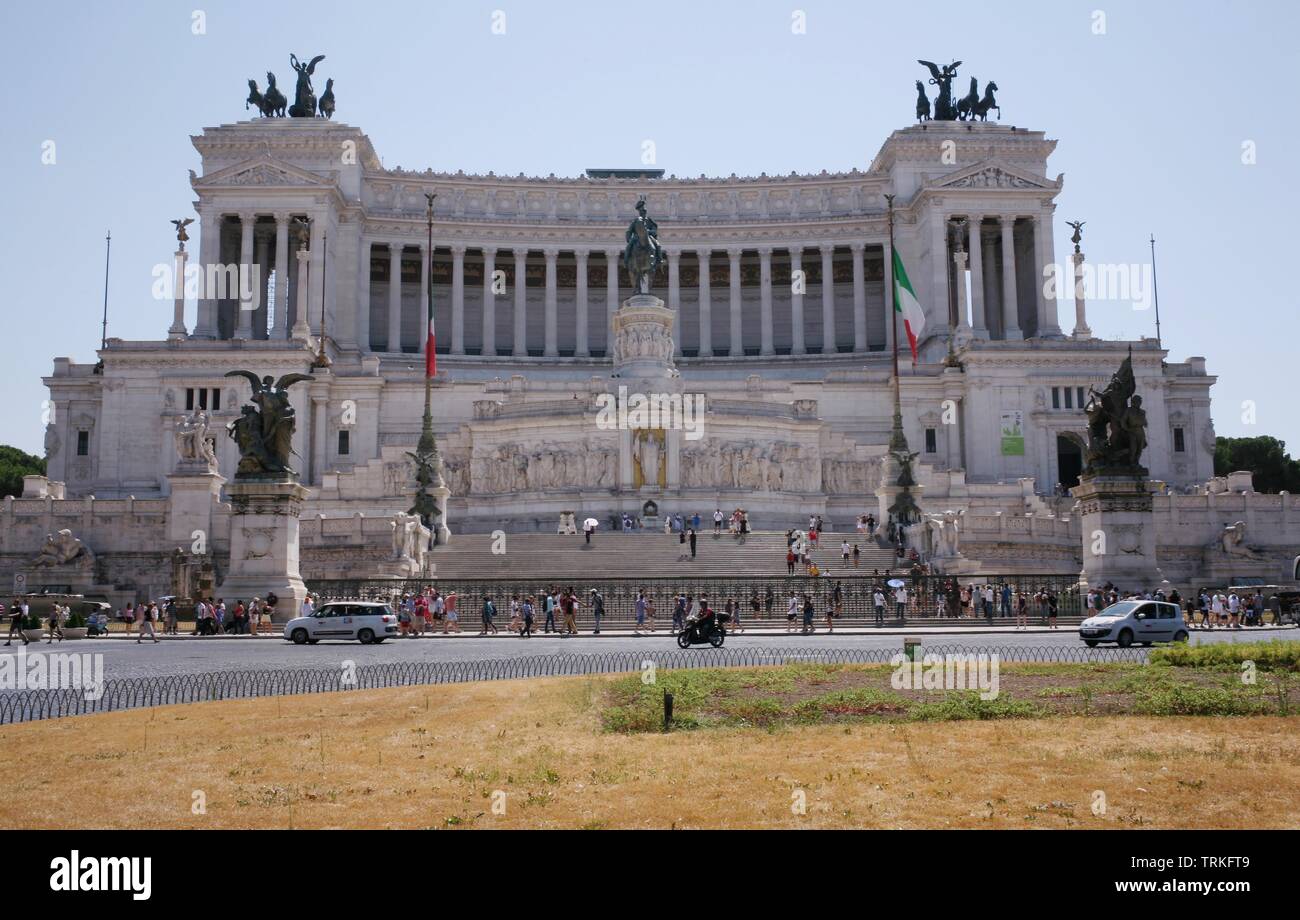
{"x": 124, "y": 658}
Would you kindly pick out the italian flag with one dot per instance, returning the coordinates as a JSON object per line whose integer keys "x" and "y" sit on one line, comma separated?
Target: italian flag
{"x": 907, "y": 305}
{"x": 430, "y": 352}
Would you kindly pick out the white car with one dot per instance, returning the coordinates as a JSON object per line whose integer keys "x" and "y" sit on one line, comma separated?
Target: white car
{"x": 1135, "y": 621}
{"x": 364, "y": 621}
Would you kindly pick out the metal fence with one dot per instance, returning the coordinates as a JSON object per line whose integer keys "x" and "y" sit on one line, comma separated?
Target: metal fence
{"x": 142, "y": 692}
{"x": 928, "y": 596}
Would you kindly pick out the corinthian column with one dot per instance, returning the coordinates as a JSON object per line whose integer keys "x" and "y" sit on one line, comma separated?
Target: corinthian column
{"x": 394, "y": 297}
{"x": 489, "y": 302}
{"x": 796, "y": 301}
{"x": 737, "y": 349}
{"x": 828, "y": 299}
{"x": 859, "y": 298}
{"x": 520, "y": 349}
{"x": 675, "y": 296}
{"x": 581, "y": 347}
{"x": 551, "y": 347}
{"x": 706, "y": 305}
{"x": 246, "y": 297}
{"x": 457, "y": 300}
{"x": 1010, "y": 303}
{"x": 281, "y": 320}
{"x": 613, "y": 267}
{"x": 205, "y": 325}
{"x": 766, "y": 346}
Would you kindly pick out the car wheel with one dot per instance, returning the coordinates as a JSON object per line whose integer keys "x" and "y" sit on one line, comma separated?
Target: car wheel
{"x": 1181, "y": 636}
{"x": 1091, "y": 643}
{"x": 1125, "y": 638}
{"x": 366, "y": 636}
{"x": 299, "y": 637}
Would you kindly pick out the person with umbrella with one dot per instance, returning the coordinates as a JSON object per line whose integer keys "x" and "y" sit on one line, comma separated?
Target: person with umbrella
{"x": 589, "y": 527}
{"x": 900, "y": 597}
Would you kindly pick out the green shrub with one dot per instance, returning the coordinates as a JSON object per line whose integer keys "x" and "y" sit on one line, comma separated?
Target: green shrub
{"x": 1267, "y": 656}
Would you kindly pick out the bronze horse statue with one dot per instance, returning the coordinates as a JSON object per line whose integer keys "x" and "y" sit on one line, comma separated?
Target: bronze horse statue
{"x": 966, "y": 105}
{"x": 275, "y": 101}
{"x": 922, "y": 103}
{"x": 989, "y": 101}
{"x": 255, "y": 98}
{"x": 643, "y": 253}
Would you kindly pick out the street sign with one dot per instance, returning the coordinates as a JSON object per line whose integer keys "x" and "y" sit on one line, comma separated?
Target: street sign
{"x": 20, "y": 583}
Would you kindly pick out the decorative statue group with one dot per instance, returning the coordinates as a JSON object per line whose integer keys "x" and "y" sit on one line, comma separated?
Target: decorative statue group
{"x": 273, "y": 104}
{"x": 968, "y": 108}
{"x": 63, "y": 549}
{"x": 264, "y": 430}
{"x": 1117, "y": 426}
{"x": 642, "y": 254}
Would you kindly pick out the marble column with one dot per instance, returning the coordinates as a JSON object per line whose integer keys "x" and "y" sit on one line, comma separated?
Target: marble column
{"x": 737, "y": 348}
{"x": 394, "y": 298}
{"x": 859, "y": 297}
{"x": 457, "y": 300}
{"x": 520, "y": 349}
{"x": 246, "y": 297}
{"x": 552, "y": 319}
{"x": 301, "y": 329}
{"x": 177, "y": 331}
{"x": 766, "y": 341}
{"x": 1048, "y": 321}
{"x": 363, "y": 295}
{"x": 1081, "y": 330}
{"x": 489, "y": 303}
{"x": 939, "y": 314}
{"x": 581, "y": 348}
{"x": 280, "y": 323}
{"x": 205, "y": 324}
{"x": 1010, "y": 302}
{"x": 828, "y": 300}
{"x": 262, "y": 246}
{"x": 797, "y": 284}
{"x": 613, "y": 265}
{"x": 675, "y": 295}
{"x": 316, "y": 285}
{"x": 980, "y": 323}
{"x": 706, "y": 304}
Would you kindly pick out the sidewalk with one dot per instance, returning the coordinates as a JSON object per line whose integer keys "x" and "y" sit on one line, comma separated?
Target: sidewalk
{"x": 764, "y": 632}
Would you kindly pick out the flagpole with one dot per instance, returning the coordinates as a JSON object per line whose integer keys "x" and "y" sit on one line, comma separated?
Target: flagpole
{"x": 108, "y": 251}
{"x": 1155, "y": 286}
{"x": 428, "y": 466}
{"x": 898, "y": 440}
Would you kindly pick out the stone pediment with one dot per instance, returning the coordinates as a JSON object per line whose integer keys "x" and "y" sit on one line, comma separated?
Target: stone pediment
{"x": 264, "y": 171}
{"x": 994, "y": 175}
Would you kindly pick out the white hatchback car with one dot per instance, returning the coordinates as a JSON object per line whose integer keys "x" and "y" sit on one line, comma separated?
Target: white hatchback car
{"x": 364, "y": 621}
{"x": 1135, "y": 621}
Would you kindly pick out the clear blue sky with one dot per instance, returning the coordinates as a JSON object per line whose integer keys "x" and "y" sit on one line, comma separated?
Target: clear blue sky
{"x": 1151, "y": 117}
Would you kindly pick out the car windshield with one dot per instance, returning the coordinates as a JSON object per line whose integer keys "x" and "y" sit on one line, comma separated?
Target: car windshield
{"x": 1122, "y": 609}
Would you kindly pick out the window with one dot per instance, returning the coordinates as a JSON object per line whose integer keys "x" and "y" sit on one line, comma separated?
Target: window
{"x": 1056, "y": 397}
{"x": 1082, "y": 403}
{"x": 345, "y": 443}
{"x": 189, "y": 399}
{"x": 216, "y": 400}
{"x": 1069, "y": 398}
{"x": 1180, "y": 445}
{"x": 83, "y": 443}
{"x": 931, "y": 441}
{"x": 203, "y": 398}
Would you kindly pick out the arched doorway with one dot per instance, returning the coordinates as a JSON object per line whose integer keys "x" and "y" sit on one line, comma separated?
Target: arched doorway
{"x": 1069, "y": 460}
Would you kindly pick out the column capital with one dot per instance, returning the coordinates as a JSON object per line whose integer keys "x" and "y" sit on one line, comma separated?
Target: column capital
{"x": 765, "y": 252}
{"x": 827, "y": 249}
{"x": 580, "y": 255}
{"x": 796, "y": 253}
{"x": 283, "y": 217}
{"x": 704, "y": 254}
{"x": 735, "y": 252}
{"x": 673, "y": 252}
{"x": 457, "y": 250}
{"x": 858, "y": 247}
{"x": 247, "y": 216}
{"x": 613, "y": 254}
{"x": 551, "y": 253}
{"x": 521, "y": 255}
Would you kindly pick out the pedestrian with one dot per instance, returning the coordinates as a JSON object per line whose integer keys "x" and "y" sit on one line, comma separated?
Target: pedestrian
{"x": 639, "y": 609}
{"x": 900, "y": 603}
{"x": 489, "y": 612}
{"x": 857, "y": 555}
{"x": 569, "y": 606}
{"x": 808, "y": 615}
{"x": 453, "y": 615}
{"x": 55, "y": 624}
{"x": 1051, "y": 609}
{"x": 598, "y": 610}
{"x": 679, "y": 612}
{"x": 790, "y": 560}
{"x": 769, "y": 599}
{"x": 650, "y": 612}
{"x": 717, "y": 521}
{"x": 878, "y": 600}
{"x": 527, "y": 608}
{"x": 549, "y": 603}
{"x": 516, "y": 614}
{"x": 17, "y": 620}
{"x": 169, "y": 616}
{"x": 693, "y": 543}
{"x": 1022, "y": 620}
{"x": 146, "y": 623}
{"x": 588, "y": 529}
{"x": 791, "y": 612}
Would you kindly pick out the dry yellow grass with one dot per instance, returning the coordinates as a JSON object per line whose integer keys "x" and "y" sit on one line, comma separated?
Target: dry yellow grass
{"x": 433, "y": 757}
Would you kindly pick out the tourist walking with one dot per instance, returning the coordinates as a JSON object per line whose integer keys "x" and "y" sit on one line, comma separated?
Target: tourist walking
{"x": 453, "y": 616}
{"x": 569, "y": 606}
{"x": 900, "y": 603}
{"x": 845, "y": 552}
{"x": 878, "y": 601}
{"x": 527, "y": 609}
{"x": 639, "y": 609}
{"x": 489, "y": 613}
{"x": 17, "y": 620}
{"x": 692, "y": 544}
{"x": 549, "y": 603}
{"x": 808, "y": 615}
{"x": 650, "y": 612}
{"x": 146, "y": 623}
{"x": 598, "y": 610}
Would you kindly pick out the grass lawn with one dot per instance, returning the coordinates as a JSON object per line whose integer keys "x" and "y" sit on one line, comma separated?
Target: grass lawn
{"x": 752, "y": 745}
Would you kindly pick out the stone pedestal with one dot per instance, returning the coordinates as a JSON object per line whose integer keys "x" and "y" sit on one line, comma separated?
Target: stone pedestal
{"x": 643, "y": 339}
{"x": 264, "y": 545}
{"x": 1119, "y": 538}
{"x": 194, "y": 489}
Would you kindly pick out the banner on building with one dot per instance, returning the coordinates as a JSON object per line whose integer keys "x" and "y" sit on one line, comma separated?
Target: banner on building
{"x": 1013, "y": 434}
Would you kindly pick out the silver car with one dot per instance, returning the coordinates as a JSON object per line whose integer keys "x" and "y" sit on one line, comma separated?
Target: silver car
{"x": 1135, "y": 621}
{"x": 363, "y": 621}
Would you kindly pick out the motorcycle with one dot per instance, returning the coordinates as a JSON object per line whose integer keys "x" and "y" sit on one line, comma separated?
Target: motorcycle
{"x": 711, "y": 631}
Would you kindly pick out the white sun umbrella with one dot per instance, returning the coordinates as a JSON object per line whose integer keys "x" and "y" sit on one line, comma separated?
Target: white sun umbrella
{"x": 896, "y": 583}
{"x": 591, "y": 522}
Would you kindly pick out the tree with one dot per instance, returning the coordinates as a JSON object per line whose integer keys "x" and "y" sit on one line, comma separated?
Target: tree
{"x": 1266, "y": 457}
{"x": 14, "y": 465}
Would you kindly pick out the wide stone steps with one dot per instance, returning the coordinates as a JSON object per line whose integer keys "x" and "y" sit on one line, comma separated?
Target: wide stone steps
{"x": 641, "y": 554}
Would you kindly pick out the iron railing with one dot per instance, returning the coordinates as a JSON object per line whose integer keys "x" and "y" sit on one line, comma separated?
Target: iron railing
{"x": 929, "y": 596}
{"x": 142, "y": 692}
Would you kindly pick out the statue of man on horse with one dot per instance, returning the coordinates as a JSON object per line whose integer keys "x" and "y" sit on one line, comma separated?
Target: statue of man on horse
{"x": 643, "y": 254}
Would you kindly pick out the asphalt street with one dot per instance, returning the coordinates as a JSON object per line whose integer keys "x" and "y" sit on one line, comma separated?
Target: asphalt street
{"x": 186, "y": 655}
